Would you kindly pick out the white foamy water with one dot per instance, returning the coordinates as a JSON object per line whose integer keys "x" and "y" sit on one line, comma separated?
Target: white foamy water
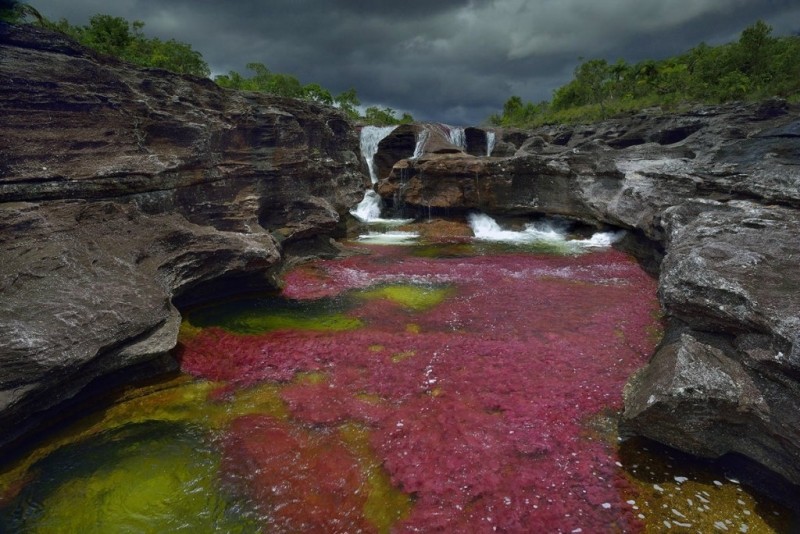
{"x": 370, "y": 137}
{"x": 369, "y": 209}
{"x": 486, "y": 229}
{"x": 457, "y": 137}
{"x": 490, "y": 140}
{"x": 389, "y": 238}
{"x": 419, "y": 149}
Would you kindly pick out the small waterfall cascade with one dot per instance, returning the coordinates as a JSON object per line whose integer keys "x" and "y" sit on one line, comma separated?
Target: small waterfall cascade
{"x": 490, "y": 139}
{"x": 457, "y": 137}
{"x": 369, "y": 209}
{"x": 419, "y": 149}
{"x": 545, "y": 232}
{"x": 371, "y": 136}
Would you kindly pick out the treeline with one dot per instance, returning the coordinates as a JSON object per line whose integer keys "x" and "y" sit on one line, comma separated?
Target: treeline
{"x": 756, "y": 67}
{"x": 279, "y": 84}
{"x": 116, "y": 36}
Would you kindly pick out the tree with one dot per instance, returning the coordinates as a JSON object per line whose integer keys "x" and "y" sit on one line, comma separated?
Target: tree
{"x": 348, "y": 101}
{"x": 15, "y": 12}
{"x": 317, "y": 93}
{"x": 117, "y": 37}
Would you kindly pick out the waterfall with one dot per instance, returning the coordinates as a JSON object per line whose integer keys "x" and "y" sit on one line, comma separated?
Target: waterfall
{"x": 369, "y": 209}
{"x": 457, "y": 137}
{"x": 370, "y": 137}
{"x": 422, "y": 138}
{"x": 490, "y": 136}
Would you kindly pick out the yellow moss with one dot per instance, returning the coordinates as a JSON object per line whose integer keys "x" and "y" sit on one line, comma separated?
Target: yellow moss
{"x": 188, "y": 331}
{"x": 138, "y": 483}
{"x": 682, "y": 491}
{"x": 177, "y": 400}
{"x": 265, "y": 322}
{"x": 400, "y": 356}
{"x": 385, "y": 504}
{"x": 370, "y": 398}
{"x": 412, "y": 296}
{"x": 412, "y": 328}
{"x": 310, "y": 377}
{"x": 376, "y": 348}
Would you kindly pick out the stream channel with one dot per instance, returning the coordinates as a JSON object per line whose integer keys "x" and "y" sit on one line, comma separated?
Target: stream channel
{"x": 457, "y": 385}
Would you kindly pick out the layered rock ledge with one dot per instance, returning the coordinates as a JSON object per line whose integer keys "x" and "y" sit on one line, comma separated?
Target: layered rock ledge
{"x": 123, "y": 189}
{"x": 714, "y": 194}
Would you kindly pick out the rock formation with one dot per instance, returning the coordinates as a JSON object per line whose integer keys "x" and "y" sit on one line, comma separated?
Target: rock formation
{"x": 717, "y": 191}
{"x": 121, "y": 189}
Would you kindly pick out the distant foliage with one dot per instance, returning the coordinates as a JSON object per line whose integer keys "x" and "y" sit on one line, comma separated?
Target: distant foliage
{"x": 385, "y": 117}
{"x": 756, "y": 67}
{"x": 117, "y": 37}
{"x": 274, "y": 83}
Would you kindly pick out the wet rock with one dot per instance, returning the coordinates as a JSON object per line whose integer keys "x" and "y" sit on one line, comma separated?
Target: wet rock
{"x": 124, "y": 189}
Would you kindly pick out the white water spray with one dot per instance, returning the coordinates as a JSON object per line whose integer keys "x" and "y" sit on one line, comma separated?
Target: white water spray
{"x": 457, "y": 137}
{"x": 419, "y": 149}
{"x": 486, "y": 229}
{"x": 490, "y": 139}
{"x": 369, "y": 209}
{"x": 371, "y": 136}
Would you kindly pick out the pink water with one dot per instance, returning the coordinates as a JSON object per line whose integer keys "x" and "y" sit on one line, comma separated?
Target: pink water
{"x": 486, "y": 408}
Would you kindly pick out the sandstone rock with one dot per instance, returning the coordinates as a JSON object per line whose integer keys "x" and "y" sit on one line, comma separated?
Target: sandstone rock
{"x": 124, "y": 190}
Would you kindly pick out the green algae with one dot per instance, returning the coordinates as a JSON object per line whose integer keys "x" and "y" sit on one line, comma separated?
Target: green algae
{"x": 386, "y": 505}
{"x": 259, "y": 315}
{"x": 152, "y": 477}
{"x": 415, "y": 297}
{"x": 175, "y": 401}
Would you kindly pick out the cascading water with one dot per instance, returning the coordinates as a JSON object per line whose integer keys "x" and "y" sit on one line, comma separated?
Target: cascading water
{"x": 546, "y": 232}
{"x": 369, "y": 209}
{"x": 490, "y": 140}
{"x": 457, "y": 137}
{"x": 419, "y": 149}
{"x": 371, "y": 136}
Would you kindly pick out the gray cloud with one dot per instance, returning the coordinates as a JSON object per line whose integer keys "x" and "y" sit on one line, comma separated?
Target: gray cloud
{"x": 454, "y": 61}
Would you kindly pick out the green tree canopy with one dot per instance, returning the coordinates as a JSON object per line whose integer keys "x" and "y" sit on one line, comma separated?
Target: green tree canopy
{"x": 126, "y": 40}
{"x": 757, "y": 66}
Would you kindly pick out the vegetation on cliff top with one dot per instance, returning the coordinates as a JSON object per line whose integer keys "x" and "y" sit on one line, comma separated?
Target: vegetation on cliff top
{"x": 756, "y": 67}
{"x": 120, "y": 38}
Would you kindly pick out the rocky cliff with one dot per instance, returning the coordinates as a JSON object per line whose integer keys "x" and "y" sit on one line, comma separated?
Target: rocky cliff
{"x": 714, "y": 193}
{"x": 123, "y": 188}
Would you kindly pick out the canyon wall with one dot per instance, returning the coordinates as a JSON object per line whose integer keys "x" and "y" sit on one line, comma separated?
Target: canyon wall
{"x": 124, "y": 190}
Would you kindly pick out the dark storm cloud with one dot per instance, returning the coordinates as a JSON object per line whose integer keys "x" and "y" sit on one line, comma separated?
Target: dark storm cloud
{"x": 453, "y": 61}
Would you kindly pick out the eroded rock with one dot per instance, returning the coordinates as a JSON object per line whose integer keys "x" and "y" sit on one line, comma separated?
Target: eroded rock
{"x": 123, "y": 189}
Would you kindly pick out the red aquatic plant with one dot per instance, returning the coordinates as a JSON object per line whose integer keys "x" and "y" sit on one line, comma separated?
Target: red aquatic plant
{"x": 479, "y": 405}
{"x": 300, "y": 480}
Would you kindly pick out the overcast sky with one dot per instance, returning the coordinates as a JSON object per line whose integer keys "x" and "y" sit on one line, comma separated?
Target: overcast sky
{"x": 453, "y": 61}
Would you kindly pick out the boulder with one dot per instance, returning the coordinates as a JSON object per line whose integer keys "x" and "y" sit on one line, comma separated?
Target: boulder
{"x": 725, "y": 379}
